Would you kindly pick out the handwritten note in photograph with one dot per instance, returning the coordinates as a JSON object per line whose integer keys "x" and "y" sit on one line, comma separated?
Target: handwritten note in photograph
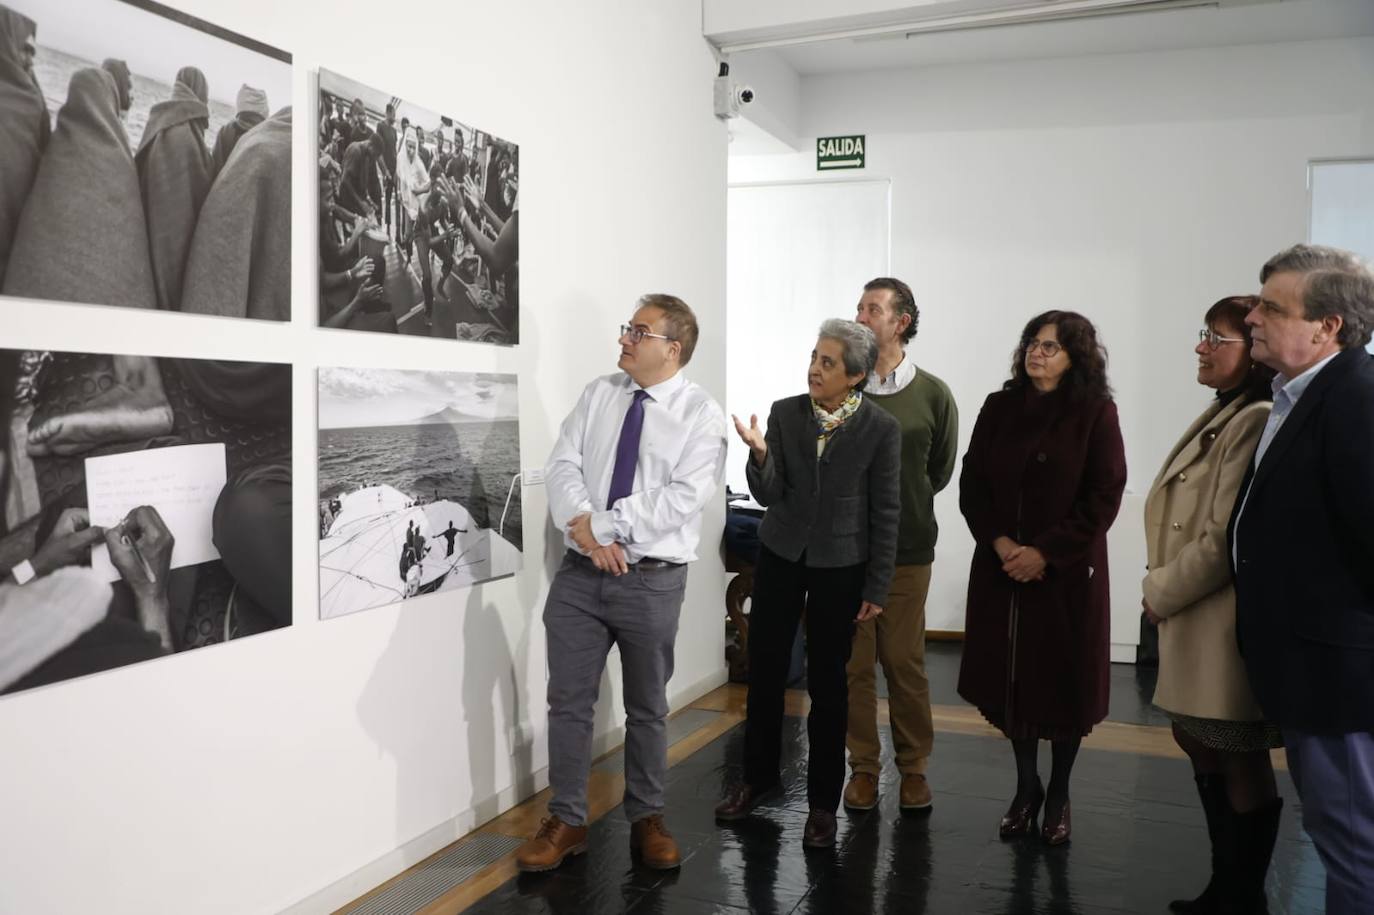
{"x": 182, "y": 483}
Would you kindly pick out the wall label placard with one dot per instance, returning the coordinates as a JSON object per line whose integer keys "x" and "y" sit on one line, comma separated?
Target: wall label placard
{"x": 840, "y": 152}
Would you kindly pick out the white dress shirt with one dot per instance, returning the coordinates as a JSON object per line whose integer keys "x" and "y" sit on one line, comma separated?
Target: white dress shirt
{"x": 1286, "y": 394}
{"x": 681, "y": 463}
{"x": 901, "y": 376}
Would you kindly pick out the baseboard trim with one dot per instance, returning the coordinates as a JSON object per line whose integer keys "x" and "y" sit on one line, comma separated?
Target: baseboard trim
{"x": 944, "y": 635}
{"x": 368, "y": 877}
{"x": 1123, "y": 653}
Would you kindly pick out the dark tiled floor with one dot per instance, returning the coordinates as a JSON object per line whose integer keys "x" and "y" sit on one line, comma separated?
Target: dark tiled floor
{"x": 1139, "y": 841}
{"x": 1132, "y": 686}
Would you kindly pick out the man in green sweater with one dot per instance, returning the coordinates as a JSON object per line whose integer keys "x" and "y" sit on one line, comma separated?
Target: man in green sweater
{"x": 925, "y": 409}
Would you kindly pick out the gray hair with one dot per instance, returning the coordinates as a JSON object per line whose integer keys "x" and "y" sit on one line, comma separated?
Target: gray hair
{"x": 1335, "y": 282}
{"x": 860, "y": 346}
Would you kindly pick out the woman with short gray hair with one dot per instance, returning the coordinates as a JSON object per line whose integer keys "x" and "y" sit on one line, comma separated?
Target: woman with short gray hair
{"x": 828, "y": 472}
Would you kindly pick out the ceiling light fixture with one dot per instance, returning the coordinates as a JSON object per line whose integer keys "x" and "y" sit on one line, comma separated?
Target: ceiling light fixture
{"x": 1054, "y": 11}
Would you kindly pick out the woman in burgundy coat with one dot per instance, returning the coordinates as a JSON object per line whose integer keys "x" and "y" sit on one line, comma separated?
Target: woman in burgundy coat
{"x": 1041, "y": 484}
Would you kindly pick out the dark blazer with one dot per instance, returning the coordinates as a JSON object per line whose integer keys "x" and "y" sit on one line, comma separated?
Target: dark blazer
{"x": 1305, "y": 565}
{"x": 841, "y": 509}
{"x": 1047, "y": 471}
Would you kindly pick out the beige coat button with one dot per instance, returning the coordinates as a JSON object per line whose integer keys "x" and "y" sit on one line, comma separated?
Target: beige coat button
{"x": 1177, "y": 526}
{"x": 1183, "y": 478}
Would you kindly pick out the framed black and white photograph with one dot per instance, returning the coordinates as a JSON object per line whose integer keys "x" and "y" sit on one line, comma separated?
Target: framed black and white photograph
{"x": 145, "y": 160}
{"x": 419, "y": 484}
{"x": 419, "y": 219}
{"x": 147, "y": 508}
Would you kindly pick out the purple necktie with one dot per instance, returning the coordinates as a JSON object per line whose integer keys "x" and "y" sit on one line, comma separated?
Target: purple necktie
{"x": 627, "y": 450}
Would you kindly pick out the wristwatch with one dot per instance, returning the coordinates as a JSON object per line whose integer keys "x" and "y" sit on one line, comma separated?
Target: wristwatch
{"x": 23, "y": 573}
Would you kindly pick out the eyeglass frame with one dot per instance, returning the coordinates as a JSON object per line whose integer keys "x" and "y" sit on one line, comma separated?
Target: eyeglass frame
{"x": 637, "y": 335}
{"x": 1032, "y": 345}
{"x": 1214, "y": 339}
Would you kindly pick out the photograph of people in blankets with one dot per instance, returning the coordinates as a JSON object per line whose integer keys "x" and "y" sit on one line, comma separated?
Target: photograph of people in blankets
{"x": 146, "y": 508}
{"x": 142, "y": 163}
{"x": 419, "y": 220}
{"x": 419, "y": 485}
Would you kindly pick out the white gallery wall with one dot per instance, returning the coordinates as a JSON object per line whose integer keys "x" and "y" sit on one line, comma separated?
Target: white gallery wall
{"x": 302, "y": 767}
{"x": 1135, "y": 188}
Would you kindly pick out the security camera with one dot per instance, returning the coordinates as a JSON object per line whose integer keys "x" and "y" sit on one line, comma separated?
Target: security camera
{"x": 730, "y": 97}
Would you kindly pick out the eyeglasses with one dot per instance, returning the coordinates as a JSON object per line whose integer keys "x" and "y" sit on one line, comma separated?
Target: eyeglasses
{"x": 1214, "y": 339}
{"x": 1048, "y": 348}
{"x": 637, "y": 334}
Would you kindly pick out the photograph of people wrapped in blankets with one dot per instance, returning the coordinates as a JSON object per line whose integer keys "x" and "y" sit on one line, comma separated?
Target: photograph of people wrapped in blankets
{"x": 418, "y": 484}
{"x": 419, "y": 220}
{"x": 146, "y": 508}
{"x": 142, "y": 163}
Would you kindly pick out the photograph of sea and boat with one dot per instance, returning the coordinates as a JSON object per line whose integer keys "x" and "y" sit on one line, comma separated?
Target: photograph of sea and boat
{"x": 145, "y": 160}
{"x": 419, "y": 219}
{"x": 146, "y": 509}
{"x": 418, "y": 477}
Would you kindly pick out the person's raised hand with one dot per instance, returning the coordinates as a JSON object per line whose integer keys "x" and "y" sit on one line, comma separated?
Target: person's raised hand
{"x": 752, "y": 436}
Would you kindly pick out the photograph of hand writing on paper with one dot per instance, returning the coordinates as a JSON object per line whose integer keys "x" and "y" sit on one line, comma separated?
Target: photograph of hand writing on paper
{"x": 146, "y": 509}
{"x": 145, "y": 160}
{"x": 417, "y": 484}
{"x": 419, "y": 219}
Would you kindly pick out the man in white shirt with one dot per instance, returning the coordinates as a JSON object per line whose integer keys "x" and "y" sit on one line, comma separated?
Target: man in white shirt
{"x": 635, "y": 462}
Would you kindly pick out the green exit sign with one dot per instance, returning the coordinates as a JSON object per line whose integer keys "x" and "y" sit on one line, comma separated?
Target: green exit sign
{"x": 839, "y": 152}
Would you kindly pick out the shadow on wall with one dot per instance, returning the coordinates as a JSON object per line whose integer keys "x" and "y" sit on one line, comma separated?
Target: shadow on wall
{"x": 409, "y": 706}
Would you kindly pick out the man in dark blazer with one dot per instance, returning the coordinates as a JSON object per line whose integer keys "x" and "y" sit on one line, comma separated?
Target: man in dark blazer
{"x": 1302, "y": 542}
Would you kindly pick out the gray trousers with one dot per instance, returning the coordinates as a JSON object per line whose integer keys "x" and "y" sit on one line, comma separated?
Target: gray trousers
{"x": 587, "y": 612}
{"x": 1334, "y": 775}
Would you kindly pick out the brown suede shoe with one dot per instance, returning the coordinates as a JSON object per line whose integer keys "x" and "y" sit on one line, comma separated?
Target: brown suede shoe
{"x": 554, "y": 841}
{"x": 820, "y": 830}
{"x": 740, "y": 800}
{"x": 654, "y": 843}
{"x": 916, "y": 794}
{"x": 862, "y": 792}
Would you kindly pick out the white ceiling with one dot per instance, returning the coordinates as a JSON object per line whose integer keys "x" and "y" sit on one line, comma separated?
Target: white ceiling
{"x": 1290, "y": 20}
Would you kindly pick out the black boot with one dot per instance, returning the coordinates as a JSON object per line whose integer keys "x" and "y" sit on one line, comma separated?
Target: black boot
{"x": 1211, "y": 788}
{"x": 1252, "y": 845}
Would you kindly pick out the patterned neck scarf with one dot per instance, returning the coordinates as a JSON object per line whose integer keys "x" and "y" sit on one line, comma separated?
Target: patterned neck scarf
{"x": 829, "y": 422}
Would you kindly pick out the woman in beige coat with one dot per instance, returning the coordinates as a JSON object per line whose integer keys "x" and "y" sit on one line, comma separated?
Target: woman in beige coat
{"x": 1188, "y": 594}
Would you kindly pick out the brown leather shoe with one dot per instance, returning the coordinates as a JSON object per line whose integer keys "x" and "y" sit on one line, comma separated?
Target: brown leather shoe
{"x": 654, "y": 843}
{"x": 1057, "y": 828}
{"x": 740, "y": 800}
{"x": 862, "y": 792}
{"x": 916, "y": 793}
{"x": 820, "y": 830}
{"x": 554, "y": 841}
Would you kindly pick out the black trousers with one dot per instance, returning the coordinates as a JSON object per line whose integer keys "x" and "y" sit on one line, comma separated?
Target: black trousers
{"x": 831, "y": 598}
